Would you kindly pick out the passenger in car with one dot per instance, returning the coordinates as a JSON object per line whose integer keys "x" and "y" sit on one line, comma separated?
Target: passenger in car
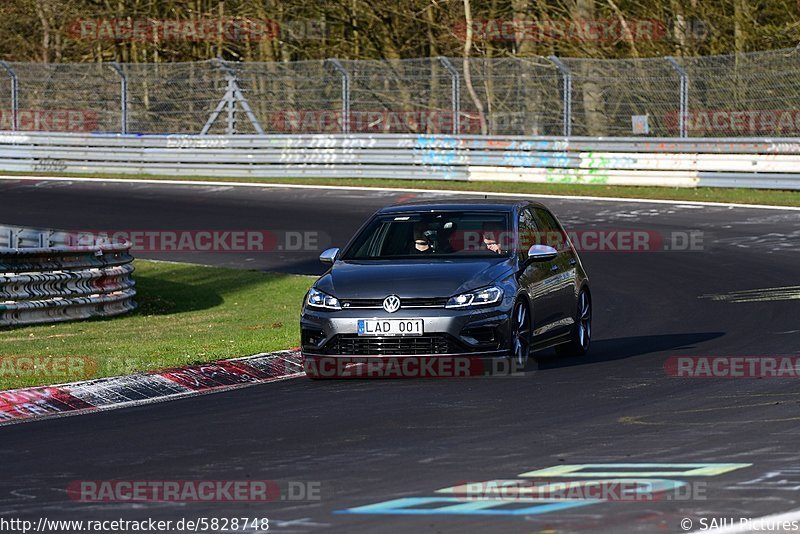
{"x": 422, "y": 243}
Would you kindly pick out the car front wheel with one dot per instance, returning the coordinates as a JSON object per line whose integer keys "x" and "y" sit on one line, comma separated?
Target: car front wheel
{"x": 520, "y": 336}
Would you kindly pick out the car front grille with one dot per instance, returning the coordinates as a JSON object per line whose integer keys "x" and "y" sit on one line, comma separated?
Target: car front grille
{"x": 404, "y": 303}
{"x": 354, "y": 345}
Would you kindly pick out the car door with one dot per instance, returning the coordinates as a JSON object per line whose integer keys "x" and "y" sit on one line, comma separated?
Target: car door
{"x": 563, "y": 269}
{"x": 539, "y": 279}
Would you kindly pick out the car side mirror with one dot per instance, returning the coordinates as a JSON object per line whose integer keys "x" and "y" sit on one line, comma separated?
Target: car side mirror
{"x": 329, "y": 256}
{"x": 539, "y": 253}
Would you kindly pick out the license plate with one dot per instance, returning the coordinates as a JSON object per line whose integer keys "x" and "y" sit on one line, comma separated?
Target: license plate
{"x": 390, "y": 327}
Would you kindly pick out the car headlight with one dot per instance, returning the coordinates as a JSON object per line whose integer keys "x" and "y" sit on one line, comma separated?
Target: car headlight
{"x": 479, "y": 297}
{"x": 318, "y": 299}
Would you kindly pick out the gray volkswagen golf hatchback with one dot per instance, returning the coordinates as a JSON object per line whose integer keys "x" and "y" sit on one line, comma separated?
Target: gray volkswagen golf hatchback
{"x": 488, "y": 279}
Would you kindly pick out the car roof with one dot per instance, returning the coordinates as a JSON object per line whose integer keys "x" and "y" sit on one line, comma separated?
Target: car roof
{"x": 462, "y": 204}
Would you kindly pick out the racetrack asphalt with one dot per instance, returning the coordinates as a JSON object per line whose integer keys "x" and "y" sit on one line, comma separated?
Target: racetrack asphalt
{"x": 367, "y": 442}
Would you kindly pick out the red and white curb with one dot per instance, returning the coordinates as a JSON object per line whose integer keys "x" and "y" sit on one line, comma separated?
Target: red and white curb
{"x": 26, "y": 404}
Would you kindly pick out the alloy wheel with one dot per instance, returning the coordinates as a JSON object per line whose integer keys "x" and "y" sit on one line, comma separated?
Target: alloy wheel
{"x": 584, "y": 320}
{"x": 521, "y": 336}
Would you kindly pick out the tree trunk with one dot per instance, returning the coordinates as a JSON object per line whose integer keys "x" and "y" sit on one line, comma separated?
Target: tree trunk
{"x": 591, "y": 89}
{"x": 467, "y": 75}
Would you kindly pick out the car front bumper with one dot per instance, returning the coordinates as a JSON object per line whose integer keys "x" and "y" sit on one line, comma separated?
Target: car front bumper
{"x": 446, "y": 332}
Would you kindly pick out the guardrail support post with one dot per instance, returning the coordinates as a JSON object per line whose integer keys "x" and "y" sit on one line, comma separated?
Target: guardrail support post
{"x": 684, "y": 95}
{"x": 455, "y": 92}
{"x": 14, "y": 95}
{"x": 566, "y": 75}
{"x": 338, "y": 67}
{"x": 230, "y": 104}
{"x": 123, "y": 96}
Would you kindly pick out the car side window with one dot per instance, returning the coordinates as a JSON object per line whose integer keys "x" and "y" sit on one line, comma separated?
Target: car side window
{"x": 551, "y": 233}
{"x": 528, "y": 231}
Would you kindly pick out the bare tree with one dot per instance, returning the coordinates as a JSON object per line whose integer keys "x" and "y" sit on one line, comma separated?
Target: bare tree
{"x": 467, "y": 73}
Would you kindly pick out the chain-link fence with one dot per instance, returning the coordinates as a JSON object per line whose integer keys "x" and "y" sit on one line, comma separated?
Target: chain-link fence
{"x": 738, "y": 95}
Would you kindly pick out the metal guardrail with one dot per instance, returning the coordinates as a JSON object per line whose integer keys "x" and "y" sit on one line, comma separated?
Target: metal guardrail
{"x": 722, "y": 162}
{"x": 45, "y": 277}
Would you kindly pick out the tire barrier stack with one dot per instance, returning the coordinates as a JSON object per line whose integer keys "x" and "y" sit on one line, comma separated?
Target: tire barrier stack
{"x": 45, "y": 278}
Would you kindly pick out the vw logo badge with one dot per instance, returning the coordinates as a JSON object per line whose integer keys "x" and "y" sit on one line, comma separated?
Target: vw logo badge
{"x": 391, "y": 303}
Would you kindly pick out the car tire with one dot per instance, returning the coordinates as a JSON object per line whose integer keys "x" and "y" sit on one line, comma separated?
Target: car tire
{"x": 581, "y": 336}
{"x": 521, "y": 336}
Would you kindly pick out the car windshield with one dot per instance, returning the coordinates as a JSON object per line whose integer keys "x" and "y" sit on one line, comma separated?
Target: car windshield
{"x": 435, "y": 235}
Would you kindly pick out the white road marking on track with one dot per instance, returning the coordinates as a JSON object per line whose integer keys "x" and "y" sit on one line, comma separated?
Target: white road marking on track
{"x": 396, "y": 189}
{"x": 757, "y": 295}
{"x": 754, "y": 524}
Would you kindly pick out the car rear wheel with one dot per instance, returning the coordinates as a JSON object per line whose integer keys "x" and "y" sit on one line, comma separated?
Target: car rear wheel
{"x": 582, "y": 331}
{"x": 520, "y": 336}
